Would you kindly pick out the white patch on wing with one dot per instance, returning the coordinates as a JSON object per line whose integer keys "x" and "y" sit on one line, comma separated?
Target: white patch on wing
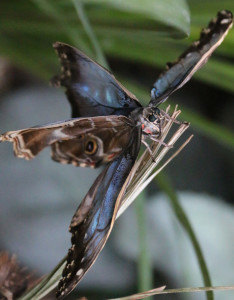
{"x": 59, "y": 134}
{"x": 79, "y": 272}
{"x": 63, "y": 55}
{"x": 225, "y": 21}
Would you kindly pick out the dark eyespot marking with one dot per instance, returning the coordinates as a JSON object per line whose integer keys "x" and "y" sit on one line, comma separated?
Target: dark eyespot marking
{"x": 81, "y": 136}
{"x": 152, "y": 118}
{"x": 91, "y": 147}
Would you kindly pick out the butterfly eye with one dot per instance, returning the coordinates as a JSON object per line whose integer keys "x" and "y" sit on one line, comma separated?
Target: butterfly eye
{"x": 90, "y": 147}
{"x": 157, "y": 111}
{"x": 152, "y": 118}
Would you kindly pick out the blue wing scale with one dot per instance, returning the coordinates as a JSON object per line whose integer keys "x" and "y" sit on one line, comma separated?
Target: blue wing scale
{"x": 91, "y": 89}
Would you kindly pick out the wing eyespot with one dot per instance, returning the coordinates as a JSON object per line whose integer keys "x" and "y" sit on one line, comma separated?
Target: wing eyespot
{"x": 91, "y": 147}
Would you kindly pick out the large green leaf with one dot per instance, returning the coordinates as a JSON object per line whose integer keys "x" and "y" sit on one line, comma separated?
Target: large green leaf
{"x": 169, "y": 12}
{"x": 125, "y": 29}
{"x": 28, "y": 28}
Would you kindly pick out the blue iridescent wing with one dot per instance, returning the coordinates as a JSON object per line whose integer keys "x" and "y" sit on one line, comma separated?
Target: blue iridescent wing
{"x": 179, "y": 72}
{"x": 91, "y": 89}
{"x": 94, "y": 219}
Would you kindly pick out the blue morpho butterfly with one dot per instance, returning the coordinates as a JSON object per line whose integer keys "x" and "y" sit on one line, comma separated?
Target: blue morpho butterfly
{"x": 107, "y": 126}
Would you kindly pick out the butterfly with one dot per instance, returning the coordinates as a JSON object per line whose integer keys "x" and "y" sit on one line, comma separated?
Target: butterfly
{"x": 107, "y": 127}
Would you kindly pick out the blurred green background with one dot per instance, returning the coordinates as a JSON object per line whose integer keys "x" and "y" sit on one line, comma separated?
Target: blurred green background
{"x": 135, "y": 39}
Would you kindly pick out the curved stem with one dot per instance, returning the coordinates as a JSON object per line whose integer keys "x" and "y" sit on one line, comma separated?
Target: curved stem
{"x": 165, "y": 185}
{"x": 144, "y": 271}
{"x": 90, "y": 33}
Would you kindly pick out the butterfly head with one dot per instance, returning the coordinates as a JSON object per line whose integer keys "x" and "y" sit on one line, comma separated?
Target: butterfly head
{"x": 150, "y": 120}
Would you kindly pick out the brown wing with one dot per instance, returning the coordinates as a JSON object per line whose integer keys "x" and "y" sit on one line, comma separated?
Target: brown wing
{"x": 94, "y": 219}
{"x": 82, "y": 142}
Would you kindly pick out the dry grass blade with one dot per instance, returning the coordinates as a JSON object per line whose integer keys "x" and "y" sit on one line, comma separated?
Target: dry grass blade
{"x": 142, "y": 295}
{"x": 161, "y": 290}
{"x": 142, "y": 172}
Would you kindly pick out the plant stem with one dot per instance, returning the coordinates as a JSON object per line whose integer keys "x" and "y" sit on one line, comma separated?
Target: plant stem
{"x": 144, "y": 271}
{"x": 90, "y": 33}
{"x": 53, "y": 12}
{"x": 165, "y": 185}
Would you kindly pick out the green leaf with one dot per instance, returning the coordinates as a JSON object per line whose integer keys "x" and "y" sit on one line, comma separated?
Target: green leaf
{"x": 215, "y": 131}
{"x": 32, "y": 26}
{"x": 169, "y": 12}
{"x": 144, "y": 272}
{"x": 129, "y": 31}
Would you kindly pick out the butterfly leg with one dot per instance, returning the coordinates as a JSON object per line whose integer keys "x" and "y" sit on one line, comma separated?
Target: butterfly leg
{"x": 160, "y": 142}
{"x": 149, "y": 149}
{"x": 157, "y": 140}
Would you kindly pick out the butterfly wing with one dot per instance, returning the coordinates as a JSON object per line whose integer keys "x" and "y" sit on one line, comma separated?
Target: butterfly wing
{"x": 94, "y": 219}
{"x": 91, "y": 89}
{"x": 179, "y": 72}
{"x": 82, "y": 141}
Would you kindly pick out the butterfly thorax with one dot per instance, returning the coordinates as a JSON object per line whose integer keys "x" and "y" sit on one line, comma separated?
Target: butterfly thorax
{"x": 149, "y": 119}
